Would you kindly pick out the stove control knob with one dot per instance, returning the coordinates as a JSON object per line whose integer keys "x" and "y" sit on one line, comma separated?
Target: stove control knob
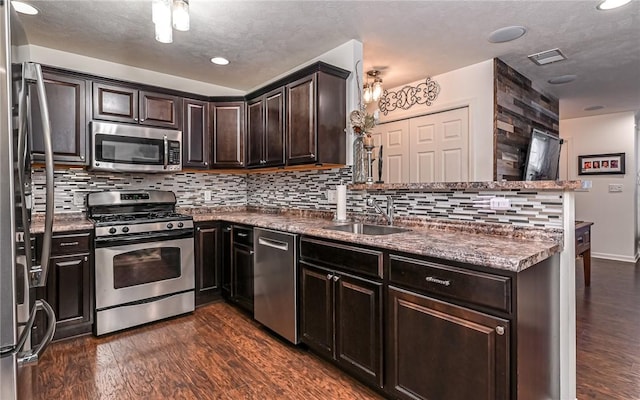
{"x": 112, "y": 230}
{"x": 169, "y": 225}
{"x": 180, "y": 224}
{"x": 125, "y": 229}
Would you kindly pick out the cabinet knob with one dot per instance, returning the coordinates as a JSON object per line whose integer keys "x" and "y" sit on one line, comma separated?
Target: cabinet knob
{"x": 135, "y": 119}
{"x": 251, "y": 252}
{"x": 335, "y": 278}
{"x": 312, "y": 155}
{"x": 206, "y": 163}
{"x": 329, "y": 276}
{"x": 82, "y": 158}
{"x": 141, "y": 119}
{"x": 198, "y": 229}
{"x": 86, "y": 258}
{"x": 500, "y": 330}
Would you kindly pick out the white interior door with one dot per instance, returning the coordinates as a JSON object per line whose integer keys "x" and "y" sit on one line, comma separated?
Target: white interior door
{"x": 439, "y": 146}
{"x": 394, "y": 136}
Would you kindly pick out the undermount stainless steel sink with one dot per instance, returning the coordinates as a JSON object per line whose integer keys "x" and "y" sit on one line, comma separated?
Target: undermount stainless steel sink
{"x": 366, "y": 229}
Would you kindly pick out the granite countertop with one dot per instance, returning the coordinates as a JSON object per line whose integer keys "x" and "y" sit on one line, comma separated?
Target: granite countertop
{"x": 62, "y": 223}
{"x": 488, "y": 185}
{"x": 500, "y": 252}
{"x": 465, "y": 243}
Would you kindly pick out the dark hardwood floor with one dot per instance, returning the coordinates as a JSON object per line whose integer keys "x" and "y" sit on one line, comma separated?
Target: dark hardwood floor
{"x": 220, "y": 353}
{"x": 608, "y": 331}
{"x": 215, "y": 353}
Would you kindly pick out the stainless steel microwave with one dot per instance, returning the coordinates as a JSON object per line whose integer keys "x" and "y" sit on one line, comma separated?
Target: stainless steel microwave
{"x": 132, "y": 148}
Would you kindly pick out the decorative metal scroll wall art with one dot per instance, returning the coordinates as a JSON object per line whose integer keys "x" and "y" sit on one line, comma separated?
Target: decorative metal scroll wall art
{"x": 405, "y": 98}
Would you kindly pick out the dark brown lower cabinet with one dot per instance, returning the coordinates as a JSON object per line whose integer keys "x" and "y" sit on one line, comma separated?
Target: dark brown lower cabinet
{"x": 341, "y": 318}
{"x": 69, "y": 294}
{"x": 242, "y": 267}
{"x": 207, "y": 262}
{"x": 437, "y": 350}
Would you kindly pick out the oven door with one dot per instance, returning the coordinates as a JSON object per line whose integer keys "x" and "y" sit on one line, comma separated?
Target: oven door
{"x": 140, "y": 267}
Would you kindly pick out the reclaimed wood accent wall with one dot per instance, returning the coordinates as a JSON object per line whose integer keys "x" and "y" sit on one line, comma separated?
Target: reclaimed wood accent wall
{"x": 518, "y": 108}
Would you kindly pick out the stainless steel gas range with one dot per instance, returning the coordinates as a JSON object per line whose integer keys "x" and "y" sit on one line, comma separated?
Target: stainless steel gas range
{"x": 144, "y": 262}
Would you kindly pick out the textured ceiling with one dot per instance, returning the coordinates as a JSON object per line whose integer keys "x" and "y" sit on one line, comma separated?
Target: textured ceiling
{"x": 407, "y": 40}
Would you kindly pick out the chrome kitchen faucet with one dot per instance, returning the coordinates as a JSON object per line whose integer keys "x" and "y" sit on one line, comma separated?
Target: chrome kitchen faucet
{"x": 388, "y": 215}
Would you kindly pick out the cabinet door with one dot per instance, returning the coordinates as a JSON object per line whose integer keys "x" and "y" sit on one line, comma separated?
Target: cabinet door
{"x": 274, "y": 128}
{"x": 69, "y": 294}
{"x": 301, "y": 121}
{"x": 437, "y": 350}
{"x": 157, "y": 109}
{"x": 316, "y": 315}
{"x": 66, "y": 100}
{"x": 242, "y": 276}
{"x": 255, "y": 132}
{"x": 228, "y": 134}
{"x": 115, "y": 103}
{"x": 207, "y": 263}
{"x": 226, "y": 259}
{"x": 195, "y": 135}
{"x": 358, "y": 325}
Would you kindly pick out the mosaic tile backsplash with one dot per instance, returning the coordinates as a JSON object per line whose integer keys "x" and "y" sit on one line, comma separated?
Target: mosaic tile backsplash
{"x": 72, "y": 186}
{"x": 304, "y": 190}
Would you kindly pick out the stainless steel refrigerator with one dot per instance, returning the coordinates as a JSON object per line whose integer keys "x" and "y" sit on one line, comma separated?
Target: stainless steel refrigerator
{"x": 20, "y": 84}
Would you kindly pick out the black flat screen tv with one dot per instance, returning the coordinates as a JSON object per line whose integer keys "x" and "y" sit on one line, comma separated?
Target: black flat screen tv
{"x": 543, "y": 157}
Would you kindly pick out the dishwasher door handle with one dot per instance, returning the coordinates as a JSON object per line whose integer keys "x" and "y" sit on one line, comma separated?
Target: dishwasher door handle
{"x": 276, "y": 244}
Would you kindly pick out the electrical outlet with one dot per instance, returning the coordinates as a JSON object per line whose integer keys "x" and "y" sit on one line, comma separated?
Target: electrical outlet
{"x": 207, "y": 195}
{"x": 78, "y": 199}
{"x": 500, "y": 203}
{"x": 331, "y": 196}
{"x": 615, "y": 187}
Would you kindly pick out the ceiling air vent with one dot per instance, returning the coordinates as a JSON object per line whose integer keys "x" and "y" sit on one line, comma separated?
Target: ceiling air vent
{"x": 547, "y": 57}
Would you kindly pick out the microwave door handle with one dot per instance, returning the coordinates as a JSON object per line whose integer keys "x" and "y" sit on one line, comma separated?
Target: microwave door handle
{"x": 39, "y": 274}
{"x": 166, "y": 152}
{"x": 30, "y": 356}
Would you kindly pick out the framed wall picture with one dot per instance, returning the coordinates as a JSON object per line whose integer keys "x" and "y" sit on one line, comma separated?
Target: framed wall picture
{"x": 601, "y": 164}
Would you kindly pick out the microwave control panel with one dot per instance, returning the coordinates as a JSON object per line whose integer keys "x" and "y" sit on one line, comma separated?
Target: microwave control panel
{"x": 175, "y": 155}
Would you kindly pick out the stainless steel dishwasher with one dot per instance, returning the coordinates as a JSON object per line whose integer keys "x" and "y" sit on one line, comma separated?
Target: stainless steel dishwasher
{"x": 275, "y": 282}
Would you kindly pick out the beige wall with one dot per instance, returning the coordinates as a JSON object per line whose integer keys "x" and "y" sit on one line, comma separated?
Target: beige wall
{"x": 613, "y": 213}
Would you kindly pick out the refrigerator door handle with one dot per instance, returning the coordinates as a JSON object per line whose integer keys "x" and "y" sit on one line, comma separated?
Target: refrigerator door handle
{"x": 38, "y": 274}
{"x": 23, "y": 167}
{"x": 30, "y": 356}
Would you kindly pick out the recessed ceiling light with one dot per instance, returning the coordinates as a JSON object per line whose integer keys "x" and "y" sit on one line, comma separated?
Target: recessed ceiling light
{"x": 24, "y": 8}
{"x": 558, "y": 80}
{"x": 506, "y": 34}
{"x": 593, "y": 108}
{"x": 611, "y": 4}
{"x": 547, "y": 57}
{"x": 220, "y": 61}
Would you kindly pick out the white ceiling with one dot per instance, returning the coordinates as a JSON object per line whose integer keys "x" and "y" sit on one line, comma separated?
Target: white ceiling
{"x": 407, "y": 40}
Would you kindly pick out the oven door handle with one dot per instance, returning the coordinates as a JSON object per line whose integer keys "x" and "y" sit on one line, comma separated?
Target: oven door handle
{"x": 152, "y": 237}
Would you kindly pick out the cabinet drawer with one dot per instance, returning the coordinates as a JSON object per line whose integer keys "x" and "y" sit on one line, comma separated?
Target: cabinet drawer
{"x": 583, "y": 240}
{"x": 469, "y": 286}
{"x": 343, "y": 257}
{"x": 70, "y": 244}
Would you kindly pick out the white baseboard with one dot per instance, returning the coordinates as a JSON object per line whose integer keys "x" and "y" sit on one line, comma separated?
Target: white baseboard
{"x": 616, "y": 257}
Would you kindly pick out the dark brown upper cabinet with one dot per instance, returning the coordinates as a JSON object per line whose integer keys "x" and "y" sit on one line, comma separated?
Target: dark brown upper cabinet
{"x": 195, "y": 135}
{"x": 265, "y": 130}
{"x": 128, "y": 104}
{"x": 316, "y": 119}
{"x": 67, "y": 103}
{"x": 228, "y": 134}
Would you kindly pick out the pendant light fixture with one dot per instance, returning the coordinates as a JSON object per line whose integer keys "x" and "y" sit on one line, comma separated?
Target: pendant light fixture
{"x": 168, "y": 15}
{"x": 372, "y": 91}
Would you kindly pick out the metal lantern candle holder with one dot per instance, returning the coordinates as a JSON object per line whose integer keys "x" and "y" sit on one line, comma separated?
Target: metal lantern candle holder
{"x": 368, "y": 146}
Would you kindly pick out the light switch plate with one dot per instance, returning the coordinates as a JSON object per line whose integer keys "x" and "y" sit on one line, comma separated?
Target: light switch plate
{"x": 615, "y": 187}
{"x": 500, "y": 203}
{"x": 78, "y": 199}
